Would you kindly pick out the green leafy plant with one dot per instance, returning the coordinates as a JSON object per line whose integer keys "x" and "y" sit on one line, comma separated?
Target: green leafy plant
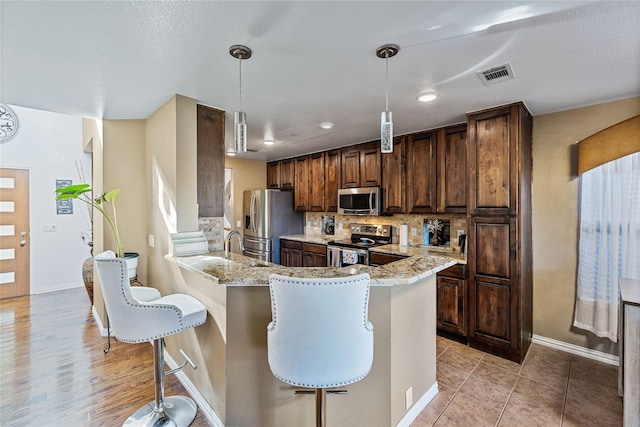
{"x": 82, "y": 192}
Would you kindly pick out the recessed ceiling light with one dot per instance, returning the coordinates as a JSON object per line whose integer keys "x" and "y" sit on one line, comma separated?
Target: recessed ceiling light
{"x": 269, "y": 142}
{"x": 427, "y": 96}
{"x": 326, "y": 125}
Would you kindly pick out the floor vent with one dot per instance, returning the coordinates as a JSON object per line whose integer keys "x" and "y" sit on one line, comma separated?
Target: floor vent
{"x": 496, "y": 74}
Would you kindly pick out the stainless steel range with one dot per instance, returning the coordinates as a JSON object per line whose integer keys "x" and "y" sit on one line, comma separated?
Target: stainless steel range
{"x": 355, "y": 250}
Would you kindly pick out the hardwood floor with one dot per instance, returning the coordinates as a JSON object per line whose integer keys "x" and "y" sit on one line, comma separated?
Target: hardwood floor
{"x": 53, "y": 370}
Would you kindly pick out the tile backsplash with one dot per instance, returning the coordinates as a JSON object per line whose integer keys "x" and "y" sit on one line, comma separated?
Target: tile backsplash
{"x": 314, "y": 222}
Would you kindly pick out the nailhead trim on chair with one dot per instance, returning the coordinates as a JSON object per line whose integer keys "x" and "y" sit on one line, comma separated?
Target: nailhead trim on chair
{"x": 173, "y": 308}
{"x": 364, "y": 317}
{"x": 295, "y": 282}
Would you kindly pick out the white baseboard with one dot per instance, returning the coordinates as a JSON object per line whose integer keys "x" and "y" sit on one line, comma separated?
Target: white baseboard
{"x": 202, "y": 403}
{"x": 576, "y": 349}
{"x": 62, "y": 287}
{"x": 417, "y": 407}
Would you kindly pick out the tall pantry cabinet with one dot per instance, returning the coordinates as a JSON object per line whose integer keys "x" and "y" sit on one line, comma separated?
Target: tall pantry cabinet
{"x": 499, "y": 235}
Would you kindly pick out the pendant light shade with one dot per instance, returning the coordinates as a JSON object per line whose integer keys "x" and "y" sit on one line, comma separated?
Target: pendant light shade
{"x": 240, "y": 52}
{"x": 240, "y": 132}
{"x": 386, "y": 124}
{"x": 386, "y": 133}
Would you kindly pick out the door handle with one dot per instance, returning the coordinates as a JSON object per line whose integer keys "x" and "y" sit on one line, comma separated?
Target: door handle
{"x": 23, "y": 242}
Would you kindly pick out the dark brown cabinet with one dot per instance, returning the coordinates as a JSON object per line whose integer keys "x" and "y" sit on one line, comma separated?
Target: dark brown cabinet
{"x": 499, "y": 168}
{"x": 394, "y": 175}
{"x": 316, "y": 185}
{"x": 379, "y": 258}
{"x": 452, "y": 300}
{"x": 302, "y": 254}
{"x": 332, "y": 179}
{"x": 290, "y": 253}
{"x": 314, "y": 255}
{"x": 452, "y": 169}
{"x": 287, "y": 174}
{"x": 499, "y": 235}
{"x": 361, "y": 166}
{"x": 273, "y": 175}
{"x": 421, "y": 181}
{"x": 301, "y": 184}
{"x": 210, "y": 162}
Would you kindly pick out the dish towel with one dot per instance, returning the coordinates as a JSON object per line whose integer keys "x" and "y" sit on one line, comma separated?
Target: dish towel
{"x": 349, "y": 257}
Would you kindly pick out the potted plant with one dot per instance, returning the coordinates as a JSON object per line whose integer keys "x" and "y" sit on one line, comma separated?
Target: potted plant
{"x": 82, "y": 192}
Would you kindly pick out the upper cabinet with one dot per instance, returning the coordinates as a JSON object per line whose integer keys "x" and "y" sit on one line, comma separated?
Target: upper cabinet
{"x": 316, "y": 183}
{"x": 210, "y": 163}
{"x": 361, "y": 166}
{"x": 281, "y": 174}
{"x": 421, "y": 179}
{"x": 301, "y": 184}
{"x": 452, "y": 169}
{"x": 273, "y": 175}
{"x": 287, "y": 174}
{"x": 426, "y": 173}
{"x": 394, "y": 177}
{"x": 495, "y": 164}
{"x": 332, "y": 174}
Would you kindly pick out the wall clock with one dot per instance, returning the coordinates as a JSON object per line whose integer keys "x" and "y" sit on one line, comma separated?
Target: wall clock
{"x": 9, "y": 124}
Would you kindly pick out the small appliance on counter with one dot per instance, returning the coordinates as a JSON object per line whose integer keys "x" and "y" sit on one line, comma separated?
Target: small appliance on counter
{"x": 268, "y": 214}
{"x": 355, "y": 250}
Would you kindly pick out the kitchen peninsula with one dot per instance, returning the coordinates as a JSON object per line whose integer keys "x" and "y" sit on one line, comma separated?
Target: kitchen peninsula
{"x": 239, "y": 385}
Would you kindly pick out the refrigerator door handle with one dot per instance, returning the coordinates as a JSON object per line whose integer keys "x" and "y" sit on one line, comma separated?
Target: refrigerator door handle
{"x": 253, "y": 212}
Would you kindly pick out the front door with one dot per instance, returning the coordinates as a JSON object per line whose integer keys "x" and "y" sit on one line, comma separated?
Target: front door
{"x": 14, "y": 232}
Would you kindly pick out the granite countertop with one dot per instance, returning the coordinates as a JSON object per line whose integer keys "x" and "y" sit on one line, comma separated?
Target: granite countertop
{"x": 395, "y": 249}
{"x": 320, "y": 239}
{"x": 240, "y": 270}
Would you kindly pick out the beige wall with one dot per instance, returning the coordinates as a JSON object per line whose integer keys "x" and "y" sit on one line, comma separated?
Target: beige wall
{"x": 555, "y": 216}
{"x": 247, "y": 175}
{"x": 124, "y": 169}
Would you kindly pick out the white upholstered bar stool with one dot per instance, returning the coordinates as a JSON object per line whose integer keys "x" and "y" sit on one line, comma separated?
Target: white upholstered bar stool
{"x": 320, "y": 335}
{"x": 135, "y": 320}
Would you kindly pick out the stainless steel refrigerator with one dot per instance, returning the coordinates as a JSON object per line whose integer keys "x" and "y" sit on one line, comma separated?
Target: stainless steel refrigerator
{"x": 269, "y": 214}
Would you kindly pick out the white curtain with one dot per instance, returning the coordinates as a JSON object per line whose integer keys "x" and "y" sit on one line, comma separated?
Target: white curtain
{"x": 609, "y": 242}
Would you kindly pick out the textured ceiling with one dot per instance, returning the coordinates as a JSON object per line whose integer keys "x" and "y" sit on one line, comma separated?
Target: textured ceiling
{"x": 315, "y": 61}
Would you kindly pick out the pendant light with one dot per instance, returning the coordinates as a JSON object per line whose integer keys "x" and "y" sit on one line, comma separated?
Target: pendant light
{"x": 240, "y": 52}
{"x": 386, "y": 124}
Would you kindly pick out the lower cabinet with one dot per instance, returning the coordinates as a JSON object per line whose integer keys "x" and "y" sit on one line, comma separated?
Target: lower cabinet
{"x": 298, "y": 254}
{"x": 377, "y": 258}
{"x": 314, "y": 255}
{"x": 451, "y": 301}
{"x": 290, "y": 253}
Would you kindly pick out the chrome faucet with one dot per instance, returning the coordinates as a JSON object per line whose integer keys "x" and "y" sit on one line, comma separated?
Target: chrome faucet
{"x": 228, "y": 242}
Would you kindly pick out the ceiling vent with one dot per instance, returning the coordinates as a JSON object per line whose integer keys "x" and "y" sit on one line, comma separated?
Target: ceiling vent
{"x": 496, "y": 74}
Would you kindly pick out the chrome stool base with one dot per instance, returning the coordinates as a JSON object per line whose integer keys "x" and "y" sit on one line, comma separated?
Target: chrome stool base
{"x": 179, "y": 411}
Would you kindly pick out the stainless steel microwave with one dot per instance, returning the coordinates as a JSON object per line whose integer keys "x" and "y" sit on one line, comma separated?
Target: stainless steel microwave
{"x": 360, "y": 201}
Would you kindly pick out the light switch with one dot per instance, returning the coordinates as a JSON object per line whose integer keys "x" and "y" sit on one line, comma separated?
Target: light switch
{"x": 152, "y": 240}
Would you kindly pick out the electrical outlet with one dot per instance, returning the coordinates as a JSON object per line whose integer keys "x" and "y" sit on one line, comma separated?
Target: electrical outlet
{"x": 414, "y": 231}
{"x": 152, "y": 240}
{"x": 408, "y": 398}
{"x": 339, "y": 226}
{"x": 48, "y": 228}
{"x": 460, "y": 233}
{"x": 238, "y": 223}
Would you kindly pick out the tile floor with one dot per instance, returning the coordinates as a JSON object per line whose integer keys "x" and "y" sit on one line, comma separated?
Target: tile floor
{"x": 550, "y": 388}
